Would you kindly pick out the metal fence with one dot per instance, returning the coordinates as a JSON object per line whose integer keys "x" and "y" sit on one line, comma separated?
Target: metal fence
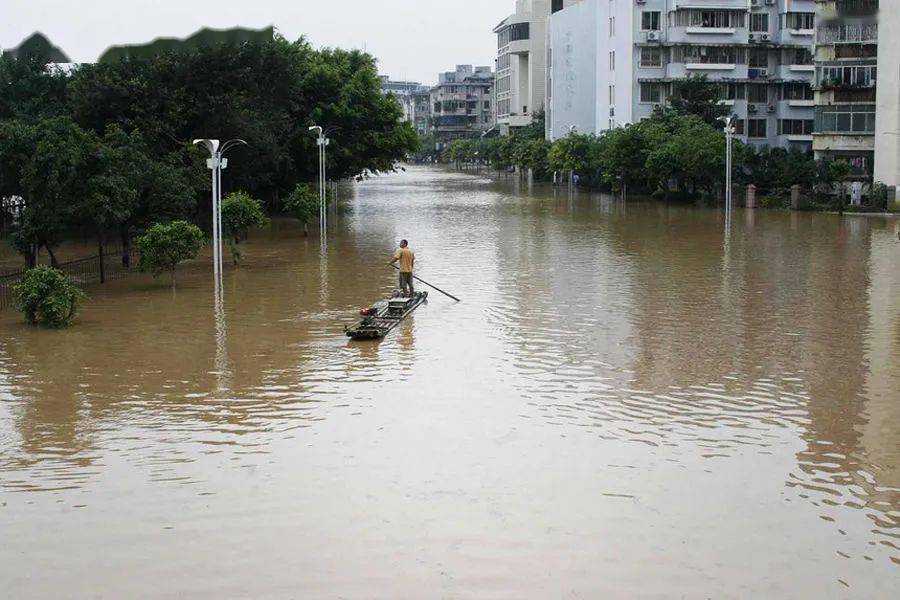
{"x": 83, "y": 271}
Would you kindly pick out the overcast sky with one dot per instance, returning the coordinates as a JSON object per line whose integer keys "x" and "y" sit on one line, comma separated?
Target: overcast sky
{"x": 412, "y": 39}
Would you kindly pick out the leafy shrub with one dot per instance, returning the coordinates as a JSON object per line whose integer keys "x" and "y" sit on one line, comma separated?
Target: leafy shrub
{"x": 303, "y": 203}
{"x": 240, "y": 212}
{"x": 48, "y": 297}
{"x": 167, "y": 244}
{"x": 773, "y": 202}
{"x": 878, "y": 197}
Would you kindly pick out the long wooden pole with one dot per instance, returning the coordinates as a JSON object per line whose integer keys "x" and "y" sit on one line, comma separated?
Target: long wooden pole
{"x": 431, "y": 286}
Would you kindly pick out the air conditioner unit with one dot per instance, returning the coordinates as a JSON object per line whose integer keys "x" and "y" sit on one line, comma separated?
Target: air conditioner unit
{"x": 752, "y": 37}
{"x": 641, "y": 1}
{"x": 751, "y": 108}
{"x": 762, "y": 72}
{"x": 771, "y": 108}
{"x": 652, "y": 36}
{"x": 755, "y": 2}
{"x": 764, "y": 37}
{"x": 770, "y": 2}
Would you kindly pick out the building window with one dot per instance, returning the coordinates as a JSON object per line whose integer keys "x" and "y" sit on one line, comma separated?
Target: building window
{"x": 718, "y": 19}
{"x": 650, "y": 20}
{"x": 612, "y": 60}
{"x": 861, "y": 76}
{"x": 724, "y": 55}
{"x": 801, "y": 56}
{"x": 519, "y": 31}
{"x": 845, "y": 119}
{"x": 738, "y": 126}
{"x": 759, "y": 58}
{"x": 795, "y": 127}
{"x": 612, "y": 95}
{"x": 651, "y": 93}
{"x": 733, "y": 91}
{"x": 759, "y": 22}
{"x": 757, "y": 93}
{"x": 796, "y": 91}
{"x": 798, "y": 20}
{"x": 612, "y": 27}
{"x": 756, "y": 128}
{"x": 651, "y": 56}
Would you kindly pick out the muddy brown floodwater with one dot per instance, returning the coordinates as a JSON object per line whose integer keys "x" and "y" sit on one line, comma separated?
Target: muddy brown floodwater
{"x": 625, "y": 404}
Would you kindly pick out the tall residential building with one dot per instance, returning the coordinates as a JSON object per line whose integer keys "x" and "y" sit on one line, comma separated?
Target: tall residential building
{"x": 613, "y": 61}
{"x": 410, "y": 95}
{"x": 887, "y": 104}
{"x": 846, "y": 68}
{"x": 462, "y": 103}
{"x": 522, "y": 61}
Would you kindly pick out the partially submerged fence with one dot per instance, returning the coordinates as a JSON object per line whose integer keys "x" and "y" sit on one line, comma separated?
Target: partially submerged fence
{"x": 83, "y": 271}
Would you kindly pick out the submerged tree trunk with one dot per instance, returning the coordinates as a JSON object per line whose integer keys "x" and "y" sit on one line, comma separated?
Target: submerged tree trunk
{"x": 100, "y": 257}
{"x": 172, "y": 273}
{"x": 126, "y": 248}
{"x": 53, "y": 262}
{"x": 306, "y": 228}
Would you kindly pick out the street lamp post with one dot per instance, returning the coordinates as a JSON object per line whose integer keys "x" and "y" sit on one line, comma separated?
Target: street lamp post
{"x": 729, "y": 137}
{"x": 216, "y": 163}
{"x": 322, "y": 142}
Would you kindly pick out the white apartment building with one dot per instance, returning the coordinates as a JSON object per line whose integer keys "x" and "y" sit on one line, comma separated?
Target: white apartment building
{"x": 522, "y": 61}
{"x": 887, "y": 106}
{"x": 611, "y": 62}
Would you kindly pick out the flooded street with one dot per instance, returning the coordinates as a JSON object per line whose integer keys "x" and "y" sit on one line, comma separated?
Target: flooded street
{"x": 627, "y": 403}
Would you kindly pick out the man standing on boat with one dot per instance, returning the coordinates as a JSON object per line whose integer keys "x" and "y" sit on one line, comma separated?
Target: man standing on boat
{"x": 407, "y": 259}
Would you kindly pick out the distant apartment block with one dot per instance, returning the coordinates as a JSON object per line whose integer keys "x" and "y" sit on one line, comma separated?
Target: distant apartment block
{"x": 414, "y": 99}
{"x": 613, "y": 61}
{"x": 462, "y": 103}
{"x": 522, "y": 61}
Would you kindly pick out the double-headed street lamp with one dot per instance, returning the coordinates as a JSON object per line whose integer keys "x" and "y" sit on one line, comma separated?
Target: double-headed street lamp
{"x": 322, "y": 142}
{"x": 216, "y": 163}
{"x": 729, "y": 137}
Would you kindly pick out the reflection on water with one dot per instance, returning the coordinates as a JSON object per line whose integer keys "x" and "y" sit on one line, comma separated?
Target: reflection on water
{"x": 631, "y": 398}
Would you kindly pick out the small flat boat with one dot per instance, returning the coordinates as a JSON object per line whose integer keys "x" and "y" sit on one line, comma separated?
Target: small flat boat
{"x": 378, "y": 320}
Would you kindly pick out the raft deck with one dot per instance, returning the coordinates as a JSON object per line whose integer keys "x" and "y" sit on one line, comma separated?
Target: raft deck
{"x": 387, "y": 315}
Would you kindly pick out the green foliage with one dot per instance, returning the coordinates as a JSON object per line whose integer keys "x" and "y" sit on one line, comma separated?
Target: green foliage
{"x": 240, "y": 212}
{"x": 698, "y": 96}
{"x": 878, "y": 196}
{"x": 48, "y": 163}
{"x": 48, "y": 297}
{"x": 167, "y": 244}
{"x": 303, "y": 204}
{"x": 267, "y": 94}
{"x": 773, "y": 202}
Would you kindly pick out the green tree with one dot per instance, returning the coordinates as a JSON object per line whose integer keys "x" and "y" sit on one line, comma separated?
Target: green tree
{"x": 167, "y": 244}
{"x": 240, "y": 212}
{"x": 698, "y": 96}
{"x": 48, "y": 297}
{"x": 52, "y": 159}
{"x": 267, "y": 94}
{"x": 303, "y": 204}
{"x": 575, "y": 152}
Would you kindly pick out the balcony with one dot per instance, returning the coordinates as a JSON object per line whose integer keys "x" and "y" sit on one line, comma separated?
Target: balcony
{"x": 711, "y": 4}
{"x": 859, "y": 33}
{"x": 846, "y": 77}
{"x": 706, "y": 35}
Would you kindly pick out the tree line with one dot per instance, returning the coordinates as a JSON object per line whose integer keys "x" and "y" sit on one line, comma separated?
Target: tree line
{"x": 677, "y": 153}
{"x": 106, "y": 149}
